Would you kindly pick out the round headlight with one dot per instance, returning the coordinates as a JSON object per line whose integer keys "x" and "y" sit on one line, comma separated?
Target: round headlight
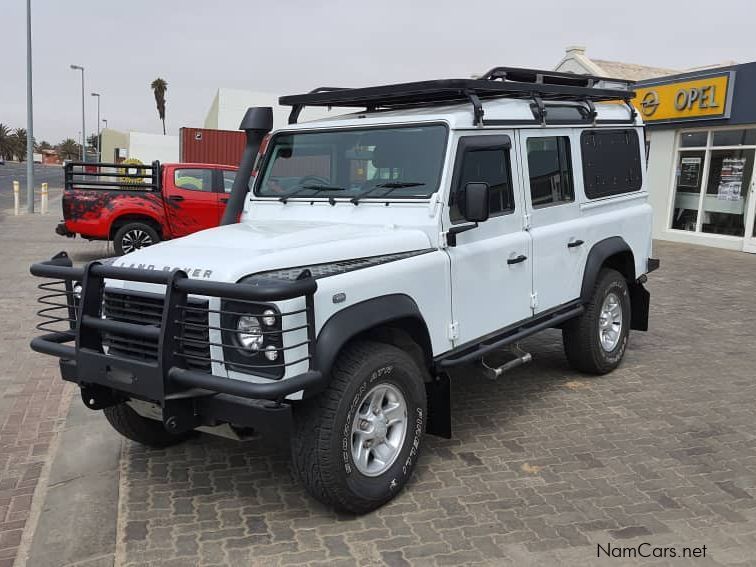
{"x": 271, "y": 353}
{"x": 269, "y": 317}
{"x": 250, "y": 333}
{"x": 77, "y": 290}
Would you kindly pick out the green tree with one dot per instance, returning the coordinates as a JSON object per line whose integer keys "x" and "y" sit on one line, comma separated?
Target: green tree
{"x": 6, "y": 142}
{"x": 159, "y": 87}
{"x": 69, "y": 149}
{"x": 18, "y": 139}
{"x": 43, "y": 145}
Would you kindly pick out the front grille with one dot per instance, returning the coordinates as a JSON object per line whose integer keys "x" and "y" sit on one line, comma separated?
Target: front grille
{"x": 147, "y": 309}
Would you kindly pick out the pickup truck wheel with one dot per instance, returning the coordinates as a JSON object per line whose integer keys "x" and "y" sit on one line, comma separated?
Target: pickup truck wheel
{"x": 356, "y": 444}
{"x": 146, "y": 431}
{"x": 596, "y": 341}
{"x": 133, "y": 236}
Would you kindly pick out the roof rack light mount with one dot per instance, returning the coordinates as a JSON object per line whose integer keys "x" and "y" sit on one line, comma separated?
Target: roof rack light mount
{"x": 499, "y": 82}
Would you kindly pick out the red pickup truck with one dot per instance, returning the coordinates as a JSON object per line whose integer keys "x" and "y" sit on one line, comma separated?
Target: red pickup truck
{"x": 137, "y": 205}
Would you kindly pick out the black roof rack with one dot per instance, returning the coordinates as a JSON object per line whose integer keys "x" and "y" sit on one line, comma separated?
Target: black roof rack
{"x": 499, "y": 82}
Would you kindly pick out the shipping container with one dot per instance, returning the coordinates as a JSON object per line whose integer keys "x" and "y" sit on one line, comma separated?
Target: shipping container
{"x": 203, "y": 145}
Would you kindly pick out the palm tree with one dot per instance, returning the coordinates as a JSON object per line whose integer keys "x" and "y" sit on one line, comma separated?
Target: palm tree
{"x": 159, "y": 86}
{"x": 43, "y": 145}
{"x": 6, "y": 142}
{"x": 19, "y": 143}
{"x": 69, "y": 149}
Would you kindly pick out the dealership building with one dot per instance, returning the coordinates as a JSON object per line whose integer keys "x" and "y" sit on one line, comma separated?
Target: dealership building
{"x": 701, "y": 144}
{"x": 701, "y": 135}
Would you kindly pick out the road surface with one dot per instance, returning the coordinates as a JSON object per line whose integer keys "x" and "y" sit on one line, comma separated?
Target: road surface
{"x": 12, "y": 171}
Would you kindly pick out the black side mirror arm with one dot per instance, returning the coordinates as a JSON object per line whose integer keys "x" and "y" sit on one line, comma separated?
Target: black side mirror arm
{"x": 451, "y": 234}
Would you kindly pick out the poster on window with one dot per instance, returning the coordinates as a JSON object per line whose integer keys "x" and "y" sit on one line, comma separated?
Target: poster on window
{"x": 731, "y": 179}
{"x": 690, "y": 172}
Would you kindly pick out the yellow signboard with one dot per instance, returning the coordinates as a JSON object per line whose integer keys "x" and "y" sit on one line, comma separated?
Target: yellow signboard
{"x": 693, "y": 99}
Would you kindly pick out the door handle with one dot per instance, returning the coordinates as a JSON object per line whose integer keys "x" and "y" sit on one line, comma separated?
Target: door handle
{"x": 224, "y": 200}
{"x": 176, "y": 198}
{"x": 517, "y": 260}
{"x": 575, "y": 243}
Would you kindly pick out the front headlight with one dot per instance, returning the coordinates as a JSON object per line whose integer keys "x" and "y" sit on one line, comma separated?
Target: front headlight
{"x": 249, "y": 335}
{"x": 252, "y": 336}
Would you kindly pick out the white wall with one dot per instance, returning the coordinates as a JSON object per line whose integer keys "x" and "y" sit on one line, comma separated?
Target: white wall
{"x": 661, "y": 157}
{"x": 150, "y": 147}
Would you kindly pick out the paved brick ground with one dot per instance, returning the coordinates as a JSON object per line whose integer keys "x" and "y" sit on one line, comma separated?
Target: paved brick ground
{"x": 33, "y": 399}
{"x": 542, "y": 468}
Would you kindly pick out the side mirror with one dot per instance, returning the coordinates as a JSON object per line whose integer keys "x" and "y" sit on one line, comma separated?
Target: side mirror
{"x": 476, "y": 202}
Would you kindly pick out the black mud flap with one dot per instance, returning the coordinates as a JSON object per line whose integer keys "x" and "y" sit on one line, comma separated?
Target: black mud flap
{"x": 640, "y": 301}
{"x": 438, "y": 392}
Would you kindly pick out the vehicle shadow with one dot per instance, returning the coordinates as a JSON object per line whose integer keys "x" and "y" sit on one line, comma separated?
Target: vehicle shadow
{"x": 258, "y": 475}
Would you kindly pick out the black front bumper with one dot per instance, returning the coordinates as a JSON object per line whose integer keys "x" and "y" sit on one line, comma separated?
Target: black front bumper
{"x": 189, "y": 398}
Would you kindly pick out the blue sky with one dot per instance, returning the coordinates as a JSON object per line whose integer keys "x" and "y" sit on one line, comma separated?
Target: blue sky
{"x": 294, "y": 45}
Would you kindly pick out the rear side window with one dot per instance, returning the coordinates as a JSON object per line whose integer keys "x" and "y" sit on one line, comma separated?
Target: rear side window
{"x": 550, "y": 169}
{"x": 611, "y": 162}
{"x": 228, "y": 180}
{"x": 193, "y": 179}
{"x": 484, "y": 160}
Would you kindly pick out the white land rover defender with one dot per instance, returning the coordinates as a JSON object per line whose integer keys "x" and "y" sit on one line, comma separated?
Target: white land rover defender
{"x": 374, "y": 252}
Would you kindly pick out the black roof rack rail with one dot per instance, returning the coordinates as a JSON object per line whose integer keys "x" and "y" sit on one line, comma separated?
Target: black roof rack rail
{"x": 500, "y": 82}
{"x": 539, "y": 76}
{"x": 297, "y": 109}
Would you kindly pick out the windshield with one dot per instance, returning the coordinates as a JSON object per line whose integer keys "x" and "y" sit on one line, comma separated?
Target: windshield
{"x": 400, "y": 162}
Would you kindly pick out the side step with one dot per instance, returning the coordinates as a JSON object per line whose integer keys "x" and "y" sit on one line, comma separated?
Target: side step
{"x": 516, "y": 357}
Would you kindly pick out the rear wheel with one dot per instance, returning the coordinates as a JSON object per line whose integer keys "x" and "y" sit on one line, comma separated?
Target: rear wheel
{"x": 133, "y": 236}
{"x": 146, "y": 431}
{"x": 596, "y": 341}
{"x": 356, "y": 444}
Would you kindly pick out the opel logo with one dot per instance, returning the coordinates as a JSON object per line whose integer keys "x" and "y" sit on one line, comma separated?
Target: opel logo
{"x": 650, "y": 103}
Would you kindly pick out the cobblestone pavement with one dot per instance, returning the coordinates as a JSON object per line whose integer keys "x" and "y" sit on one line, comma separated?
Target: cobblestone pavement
{"x": 33, "y": 399}
{"x": 542, "y": 467}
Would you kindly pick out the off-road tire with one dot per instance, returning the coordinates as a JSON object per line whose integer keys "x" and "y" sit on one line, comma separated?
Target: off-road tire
{"x": 130, "y": 227}
{"x": 580, "y": 336}
{"x": 145, "y": 431}
{"x": 322, "y": 436}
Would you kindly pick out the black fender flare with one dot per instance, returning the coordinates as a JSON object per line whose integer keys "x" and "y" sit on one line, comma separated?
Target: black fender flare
{"x": 346, "y": 324}
{"x": 596, "y": 257}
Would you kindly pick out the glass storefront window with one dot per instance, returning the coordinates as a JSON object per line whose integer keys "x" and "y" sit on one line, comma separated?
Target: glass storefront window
{"x": 712, "y": 181}
{"x": 688, "y": 189}
{"x": 693, "y": 139}
{"x": 746, "y": 137}
{"x": 723, "y": 210}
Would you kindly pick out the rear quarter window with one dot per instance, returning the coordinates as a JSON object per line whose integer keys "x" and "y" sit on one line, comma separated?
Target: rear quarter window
{"x": 611, "y": 162}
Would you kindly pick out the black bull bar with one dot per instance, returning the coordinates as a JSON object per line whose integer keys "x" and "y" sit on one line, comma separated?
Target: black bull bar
{"x": 74, "y": 328}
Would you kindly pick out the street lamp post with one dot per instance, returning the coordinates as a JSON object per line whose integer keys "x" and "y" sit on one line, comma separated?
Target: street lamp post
{"x": 99, "y": 149}
{"x": 29, "y": 116}
{"x": 83, "y": 128}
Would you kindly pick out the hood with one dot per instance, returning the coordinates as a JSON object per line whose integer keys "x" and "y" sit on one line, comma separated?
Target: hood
{"x": 228, "y": 253}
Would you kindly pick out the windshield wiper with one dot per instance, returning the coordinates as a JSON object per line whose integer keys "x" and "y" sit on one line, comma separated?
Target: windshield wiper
{"x": 304, "y": 188}
{"x": 390, "y": 185}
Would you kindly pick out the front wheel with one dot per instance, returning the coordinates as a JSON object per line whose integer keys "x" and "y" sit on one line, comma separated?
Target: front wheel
{"x": 133, "y": 236}
{"x": 356, "y": 444}
{"x": 596, "y": 341}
